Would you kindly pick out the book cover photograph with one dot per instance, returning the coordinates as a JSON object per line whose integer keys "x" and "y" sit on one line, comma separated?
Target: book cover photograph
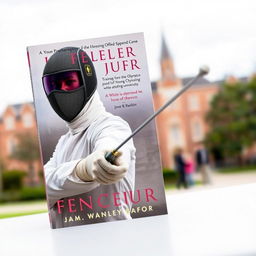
{"x": 89, "y": 96}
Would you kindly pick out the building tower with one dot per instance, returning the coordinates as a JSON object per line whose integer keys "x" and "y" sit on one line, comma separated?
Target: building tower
{"x": 168, "y": 122}
{"x": 168, "y": 75}
{"x": 182, "y": 124}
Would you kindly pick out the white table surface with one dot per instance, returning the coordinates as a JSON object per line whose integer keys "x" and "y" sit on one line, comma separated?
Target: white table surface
{"x": 214, "y": 222}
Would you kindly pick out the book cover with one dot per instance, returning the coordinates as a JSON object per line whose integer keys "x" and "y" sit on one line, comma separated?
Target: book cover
{"x": 89, "y": 96}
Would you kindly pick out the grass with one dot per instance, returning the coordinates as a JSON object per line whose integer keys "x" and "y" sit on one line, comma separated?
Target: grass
{"x": 17, "y": 214}
{"x": 251, "y": 168}
{"x": 15, "y": 209}
{"x": 22, "y": 202}
{"x": 171, "y": 185}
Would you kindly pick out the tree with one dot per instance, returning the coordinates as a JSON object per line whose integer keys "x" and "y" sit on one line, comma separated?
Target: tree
{"x": 27, "y": 150}
{"x": 232, "y": 119}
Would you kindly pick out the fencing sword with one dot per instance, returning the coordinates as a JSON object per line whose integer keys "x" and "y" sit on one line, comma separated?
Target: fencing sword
{"x": 112, "y": 155}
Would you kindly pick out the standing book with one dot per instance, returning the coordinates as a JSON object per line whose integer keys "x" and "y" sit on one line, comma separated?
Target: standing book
{"x": 89, "y": 96}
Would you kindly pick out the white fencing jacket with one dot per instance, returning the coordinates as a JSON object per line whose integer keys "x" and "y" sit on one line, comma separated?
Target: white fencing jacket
{"x": 94, "y": 129}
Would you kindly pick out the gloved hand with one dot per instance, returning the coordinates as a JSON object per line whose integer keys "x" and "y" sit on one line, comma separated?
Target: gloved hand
{"x": 96, "y": 167}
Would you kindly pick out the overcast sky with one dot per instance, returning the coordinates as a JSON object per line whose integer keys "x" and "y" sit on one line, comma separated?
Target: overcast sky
{"x": 220, "y": 33}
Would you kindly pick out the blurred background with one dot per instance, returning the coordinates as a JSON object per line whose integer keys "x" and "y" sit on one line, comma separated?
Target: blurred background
{"x": 207, "y": 138}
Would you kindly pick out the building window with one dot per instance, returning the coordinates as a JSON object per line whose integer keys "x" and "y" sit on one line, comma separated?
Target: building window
{"x": 11, "y": 146}
{"x": 27, "y": 120}
{"x": 176, "y": 105}
{"x": 210, "y": 98}
{"x": 197, "y": 131}
{"x": 9, "y": 123}
{"x": 170, "y": 93}
{"x": 176, "y": 136}
{"x": 193, "y": 102}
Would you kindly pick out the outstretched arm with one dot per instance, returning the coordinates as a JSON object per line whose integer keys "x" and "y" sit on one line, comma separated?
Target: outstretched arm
{"x": 62, "y": 182}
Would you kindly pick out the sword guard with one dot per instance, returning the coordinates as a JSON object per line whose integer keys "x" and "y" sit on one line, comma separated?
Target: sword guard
{"x": 111, "y": 156}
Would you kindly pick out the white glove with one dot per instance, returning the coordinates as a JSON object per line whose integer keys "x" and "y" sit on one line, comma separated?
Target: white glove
{"x": 96, "y": 167}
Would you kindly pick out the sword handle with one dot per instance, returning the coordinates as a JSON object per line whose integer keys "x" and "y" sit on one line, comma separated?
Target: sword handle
{"x": 111, "y": 156}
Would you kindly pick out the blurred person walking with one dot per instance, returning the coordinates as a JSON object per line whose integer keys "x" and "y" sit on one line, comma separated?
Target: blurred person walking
{"x": 202, "y": 161}
{"x": 180, "y": 168}
{"x": 189, "y": 169}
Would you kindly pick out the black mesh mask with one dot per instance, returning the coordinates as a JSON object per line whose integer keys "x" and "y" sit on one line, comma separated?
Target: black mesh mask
{"x": 69, "y": 64}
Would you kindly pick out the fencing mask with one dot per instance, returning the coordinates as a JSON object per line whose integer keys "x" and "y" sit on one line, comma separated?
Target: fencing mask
{"x": 69, "y": 81}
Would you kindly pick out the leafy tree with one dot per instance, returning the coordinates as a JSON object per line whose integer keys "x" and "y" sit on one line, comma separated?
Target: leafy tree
{"x": 27, "y": 150}
{"x": 232, "y": 119}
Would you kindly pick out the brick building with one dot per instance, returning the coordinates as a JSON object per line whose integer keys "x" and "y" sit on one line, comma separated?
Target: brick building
{"x": 17, "y": 119}
{"x": 182, "y": 124}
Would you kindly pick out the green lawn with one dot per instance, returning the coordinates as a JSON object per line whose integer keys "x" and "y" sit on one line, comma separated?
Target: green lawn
{"x": 17, "y": 214}
{"x": 15, "y": 209}
{"x": 20, "y": 203}
{"x": 172, "y": 185}
{"x": 238, "y": 169}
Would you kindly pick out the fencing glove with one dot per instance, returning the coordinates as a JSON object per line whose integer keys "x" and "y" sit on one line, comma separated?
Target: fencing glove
{"x": 96, "y": 168}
